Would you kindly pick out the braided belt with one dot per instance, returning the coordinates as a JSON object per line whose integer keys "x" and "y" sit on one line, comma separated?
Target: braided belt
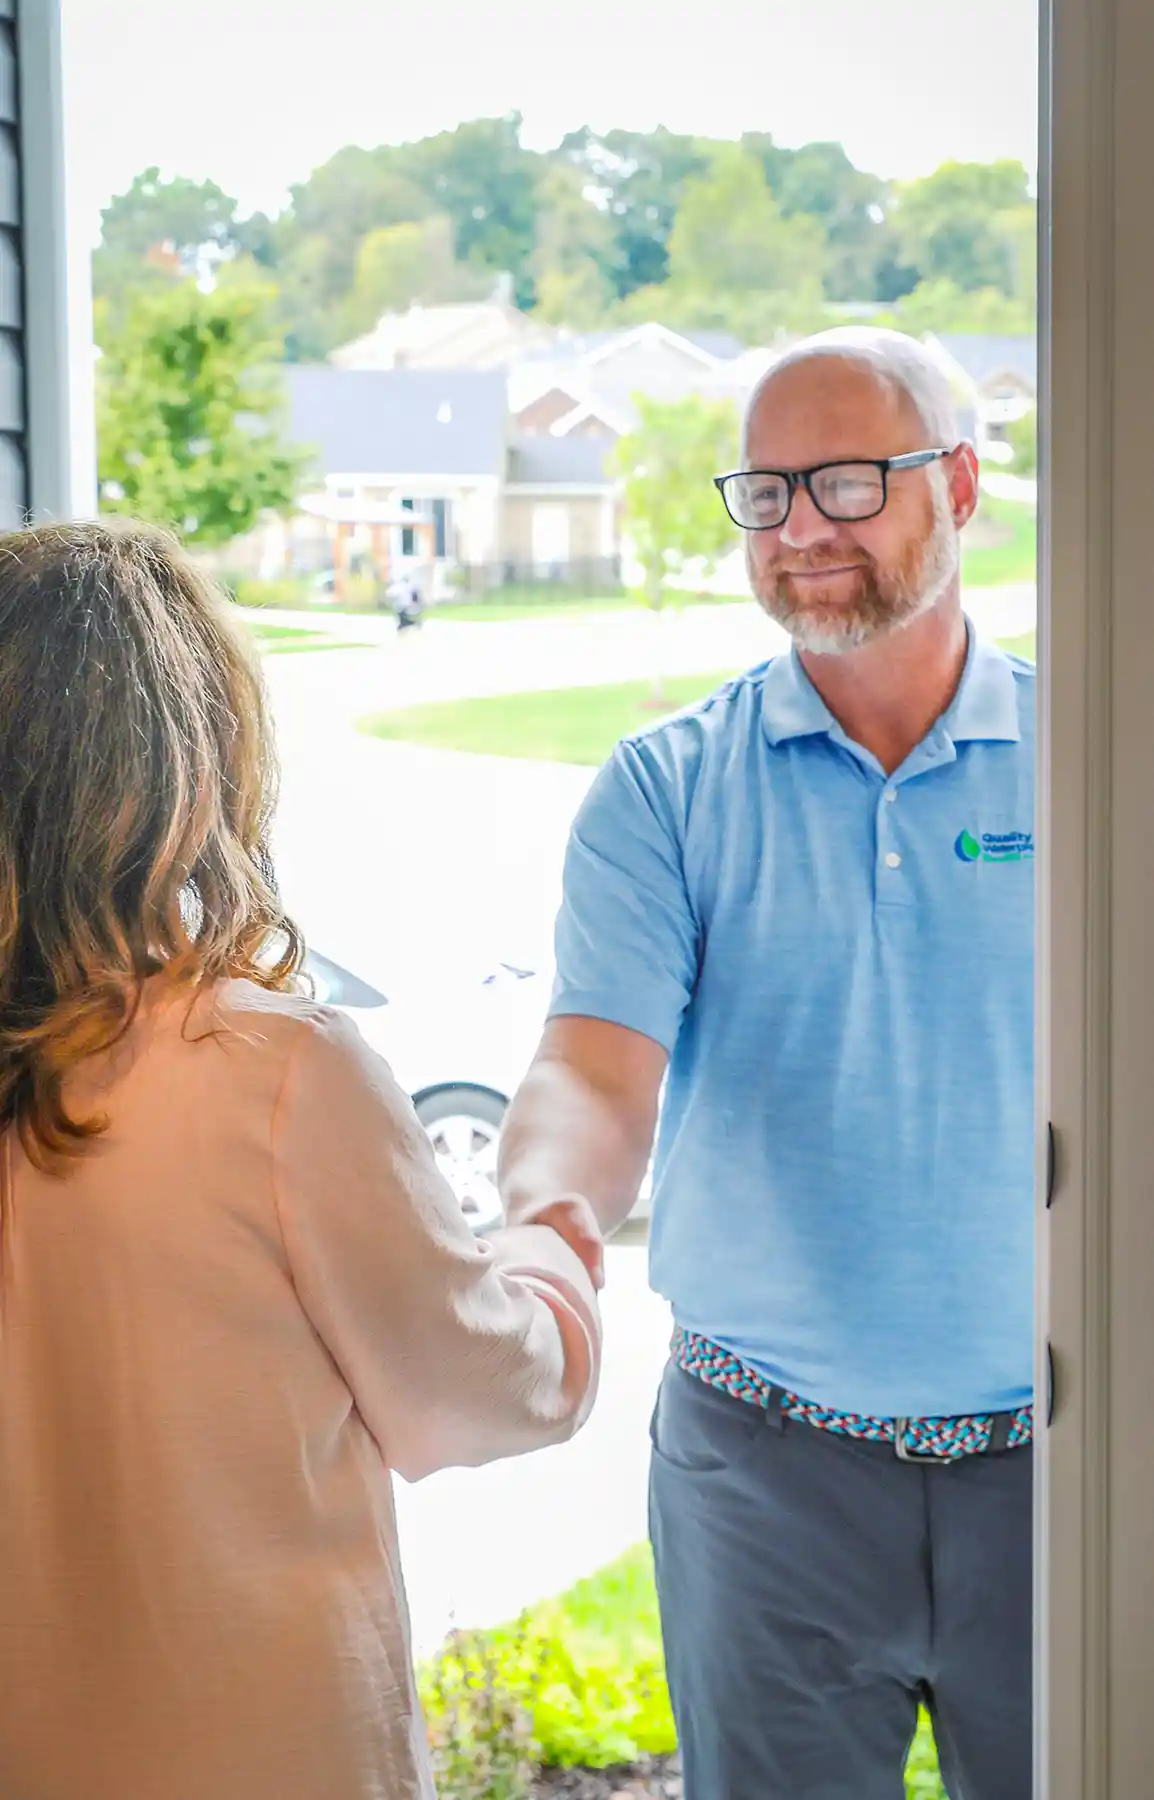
{"x": 914, "y": 1440}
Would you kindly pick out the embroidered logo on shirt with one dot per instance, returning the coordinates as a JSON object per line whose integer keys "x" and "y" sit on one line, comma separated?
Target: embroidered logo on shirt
{"x": 994, "y": 846}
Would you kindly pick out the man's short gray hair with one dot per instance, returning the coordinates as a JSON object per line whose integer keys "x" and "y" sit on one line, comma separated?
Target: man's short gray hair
{"x": 897, "y": 359}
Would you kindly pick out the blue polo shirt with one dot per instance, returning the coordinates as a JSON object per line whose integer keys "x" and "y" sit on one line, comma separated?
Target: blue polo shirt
{"x": 841, "y": 967}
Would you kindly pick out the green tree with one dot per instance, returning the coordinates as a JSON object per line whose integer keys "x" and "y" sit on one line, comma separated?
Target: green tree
{"x": 943, "y": 306}
{"x": 730, "y": 236}
{"x": 485, "y": 181}
{"x": 189, "y": 403}
{"x": 312, "y": 248}
{"x": 575, "y": 252}
{"x": 400, "y": 265}
{"x": 354, "y": 192}
{"x": 639, "y": 178}
{"x": 959, "y": 223}
{"x": 157, "y": 233}
{"x": 190, "y": 218}
{"x": 819, "y": 181}
{"x": 752, "y": 318}
{"x": 1019, "y": 228}
{"x": 673, "y": 516}
{"x": 580, "y": 300}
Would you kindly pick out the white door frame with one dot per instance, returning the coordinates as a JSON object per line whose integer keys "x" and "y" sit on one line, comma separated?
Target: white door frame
{"x": 1096, "y": 960}
{"x": 1096, "y": 989}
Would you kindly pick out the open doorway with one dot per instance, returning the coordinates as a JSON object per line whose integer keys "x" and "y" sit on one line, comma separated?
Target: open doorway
{"x": 486, "y": 353}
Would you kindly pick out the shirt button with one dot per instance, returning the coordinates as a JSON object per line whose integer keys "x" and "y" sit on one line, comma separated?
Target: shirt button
{"x": 893, "y": 860}
{"x": 891, "y": 795}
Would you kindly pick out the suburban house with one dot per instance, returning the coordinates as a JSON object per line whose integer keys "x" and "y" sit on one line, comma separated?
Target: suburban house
{"x": 422, "y": 471}
{"x": 486, "y": 334}
{"x": 472, "y": 448}
{"x": 994, "y": 379}
{"x": 494, "y": 436}
{"x": 587, "y": 385}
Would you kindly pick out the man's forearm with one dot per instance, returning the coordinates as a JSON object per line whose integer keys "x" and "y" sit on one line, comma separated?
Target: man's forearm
{"x": 564, "y": 1135}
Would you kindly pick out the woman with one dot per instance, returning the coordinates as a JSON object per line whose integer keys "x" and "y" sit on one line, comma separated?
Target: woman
{"x": 234, "y": 1290}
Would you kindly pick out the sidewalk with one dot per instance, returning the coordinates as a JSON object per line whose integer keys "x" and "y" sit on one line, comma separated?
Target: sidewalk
{"x": 450, "y": 660}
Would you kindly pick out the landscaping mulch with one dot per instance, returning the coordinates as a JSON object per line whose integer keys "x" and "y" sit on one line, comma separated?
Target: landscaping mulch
{"x": 658, "y": 1778}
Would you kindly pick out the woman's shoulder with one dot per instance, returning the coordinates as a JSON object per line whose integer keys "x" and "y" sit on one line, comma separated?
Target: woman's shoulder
{"x": 272, "y": 1020}
{"x": 259, "y": 1030}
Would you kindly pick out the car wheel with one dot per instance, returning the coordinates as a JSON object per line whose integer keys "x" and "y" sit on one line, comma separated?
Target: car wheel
{"x": 464, "y": 1124}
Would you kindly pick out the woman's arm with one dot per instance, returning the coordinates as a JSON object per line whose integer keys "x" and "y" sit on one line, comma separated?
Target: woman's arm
{"x": 455, "y": 1351}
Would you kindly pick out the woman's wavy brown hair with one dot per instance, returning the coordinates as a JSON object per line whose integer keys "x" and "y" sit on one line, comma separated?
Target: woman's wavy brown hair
{"x": 137, "y": 782}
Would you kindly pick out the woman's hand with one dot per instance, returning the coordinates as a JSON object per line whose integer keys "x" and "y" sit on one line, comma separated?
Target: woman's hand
{"x": 572, "y": 1218}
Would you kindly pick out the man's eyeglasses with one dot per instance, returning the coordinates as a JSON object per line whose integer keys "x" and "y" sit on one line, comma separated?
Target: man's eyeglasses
{"x": 760, "y": 499}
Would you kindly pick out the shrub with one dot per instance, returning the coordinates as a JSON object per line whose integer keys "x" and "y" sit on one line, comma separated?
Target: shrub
{"x": 577, "y": 1682}
{"x": 290, "y": 593}
{"x": 586, "y": 1668}
{"x": 480, "y": 1729}
{"x": 1022, "y": 436}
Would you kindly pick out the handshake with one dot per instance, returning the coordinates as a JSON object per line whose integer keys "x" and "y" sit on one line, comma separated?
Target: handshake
{"x": 572, "y": 1218}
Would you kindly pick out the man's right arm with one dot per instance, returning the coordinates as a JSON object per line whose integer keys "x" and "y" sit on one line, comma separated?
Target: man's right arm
{"x": 578, "y": 1137}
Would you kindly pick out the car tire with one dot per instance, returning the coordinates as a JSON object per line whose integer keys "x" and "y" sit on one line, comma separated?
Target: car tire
{"x": 464, "y": 1125}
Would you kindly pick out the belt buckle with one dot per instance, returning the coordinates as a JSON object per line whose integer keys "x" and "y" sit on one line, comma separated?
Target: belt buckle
{"x": 930, "y": 1458}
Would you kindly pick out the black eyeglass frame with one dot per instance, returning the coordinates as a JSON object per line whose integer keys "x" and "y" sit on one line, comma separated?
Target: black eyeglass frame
{"x": 795, "y": 478}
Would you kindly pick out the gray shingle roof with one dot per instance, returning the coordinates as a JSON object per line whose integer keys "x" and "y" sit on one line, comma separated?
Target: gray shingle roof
{"x": 984, "y": 357}
{"x": 721, "y": 344}
{"x": 399, "y": 421}
{"x": 575, "y": 460}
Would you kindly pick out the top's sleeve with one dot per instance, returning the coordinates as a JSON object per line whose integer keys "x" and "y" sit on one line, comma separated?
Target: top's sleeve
{"x": 455, "y": 1351}
{"x": 627, "y": 938}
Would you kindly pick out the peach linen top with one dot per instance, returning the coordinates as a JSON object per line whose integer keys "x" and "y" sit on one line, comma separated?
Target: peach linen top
{"x": 249, "y": 1302}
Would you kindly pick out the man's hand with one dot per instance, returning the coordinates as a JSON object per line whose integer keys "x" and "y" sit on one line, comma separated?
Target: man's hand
{"x": 572, "y": 1218}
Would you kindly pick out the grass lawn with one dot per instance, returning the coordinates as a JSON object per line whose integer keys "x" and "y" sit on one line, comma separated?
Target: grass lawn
{"x": 1025, "y": 646}
{"x": 546, "y": 604}
{"x": 1005, "y": 549}
{"x": 280, "y": 640}
{"x": 571, "y": 725}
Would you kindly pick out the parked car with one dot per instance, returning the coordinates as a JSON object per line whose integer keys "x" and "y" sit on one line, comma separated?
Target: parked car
{"x": 460, "y": 1053}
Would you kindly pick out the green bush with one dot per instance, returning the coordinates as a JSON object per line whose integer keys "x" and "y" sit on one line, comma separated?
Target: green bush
{"x": 298, "y": 593}
{"x": 480, "y": 1728}
{"x": 587, "y": 1669}
{"x": 1022, "y": 437}
{"x": 291, "y": 592}
{"x": 576, "y": 1682}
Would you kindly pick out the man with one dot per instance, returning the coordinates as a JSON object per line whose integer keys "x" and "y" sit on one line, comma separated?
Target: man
{"x": 806, "y": 906}
{"x": 408, "y": 606}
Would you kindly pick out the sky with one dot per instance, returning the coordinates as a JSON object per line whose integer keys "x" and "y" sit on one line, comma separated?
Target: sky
{"x": 256, "y": 93}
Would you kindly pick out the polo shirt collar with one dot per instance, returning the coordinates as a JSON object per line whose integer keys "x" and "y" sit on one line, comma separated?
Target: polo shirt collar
{"x": 985, "y": 707}
{"x": 791, "y": 706}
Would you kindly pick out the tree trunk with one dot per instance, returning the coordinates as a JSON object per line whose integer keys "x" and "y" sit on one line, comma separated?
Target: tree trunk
{"x": 655, "y": 601}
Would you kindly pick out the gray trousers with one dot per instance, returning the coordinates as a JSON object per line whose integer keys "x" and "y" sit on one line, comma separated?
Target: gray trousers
{"x": 815, "y": 1589}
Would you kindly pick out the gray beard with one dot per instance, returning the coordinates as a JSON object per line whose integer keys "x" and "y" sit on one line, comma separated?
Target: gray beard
{"x": 875, "y": 615}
